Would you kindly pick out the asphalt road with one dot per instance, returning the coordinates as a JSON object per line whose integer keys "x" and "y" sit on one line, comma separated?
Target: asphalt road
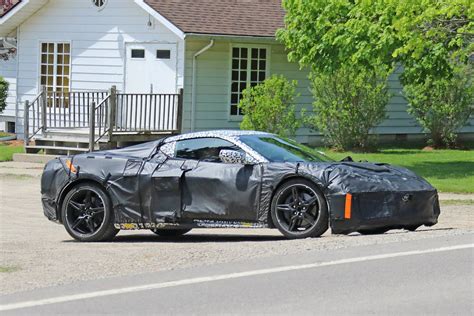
{"x": 428, "y": 276}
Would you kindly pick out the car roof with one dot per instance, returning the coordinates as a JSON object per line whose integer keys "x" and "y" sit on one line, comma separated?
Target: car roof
{"x": 215, "y": 133}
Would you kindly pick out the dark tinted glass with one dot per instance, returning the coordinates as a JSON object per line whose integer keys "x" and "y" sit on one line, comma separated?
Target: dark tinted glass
{"x": 163, "y": 54}
{"x": 277, "y": 149}
{"x": 138, "y": 53}
{"x": 205, "y": 149}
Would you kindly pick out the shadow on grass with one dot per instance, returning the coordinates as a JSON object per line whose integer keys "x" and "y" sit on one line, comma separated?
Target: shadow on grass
{"x": 444, "y": 170}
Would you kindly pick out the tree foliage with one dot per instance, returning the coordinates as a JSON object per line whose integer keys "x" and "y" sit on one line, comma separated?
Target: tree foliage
{"x": 429, "y": 38}
{"x": 3, "y": 93}
{"x": 347, "y": 106}
{"x": 444, "y": 105}
{"x": 270, "y": 107}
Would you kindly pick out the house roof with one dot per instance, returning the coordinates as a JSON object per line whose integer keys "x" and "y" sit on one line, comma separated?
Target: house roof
{"x": 223, "y": 17}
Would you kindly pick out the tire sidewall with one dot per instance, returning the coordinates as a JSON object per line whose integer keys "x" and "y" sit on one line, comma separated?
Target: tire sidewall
{"x": 322, "y": 222}
{"x": 108, "y": 213}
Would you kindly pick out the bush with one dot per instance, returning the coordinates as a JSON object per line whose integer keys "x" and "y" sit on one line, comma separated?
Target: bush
{"x": 443, "y": 105}
{"x": 348, "y": 104}
{"x": 270, "y": 107}
{"x": 3, "y": 93}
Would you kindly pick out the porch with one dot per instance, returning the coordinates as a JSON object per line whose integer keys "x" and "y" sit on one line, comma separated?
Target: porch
{"x": 58, "y": 122}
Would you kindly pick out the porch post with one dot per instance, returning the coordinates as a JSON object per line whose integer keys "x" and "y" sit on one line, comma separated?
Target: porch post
{"x": 91, "y": 126}
{"x": 179, "y": 118}
{"x": 44, "y": 99}
{"x": 26, "y": 123}
{"x": 112, "y": 111}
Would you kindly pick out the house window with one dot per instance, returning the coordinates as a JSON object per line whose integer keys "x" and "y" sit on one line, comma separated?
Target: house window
{"x": 163, "y": 54}
{"x": 249, "y": 67}
{"x": 56, "y": 71}
{"x": 138, "y": 53}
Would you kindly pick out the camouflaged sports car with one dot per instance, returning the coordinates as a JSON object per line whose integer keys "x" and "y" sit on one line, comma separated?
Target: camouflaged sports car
{"x": 230, "y": 179}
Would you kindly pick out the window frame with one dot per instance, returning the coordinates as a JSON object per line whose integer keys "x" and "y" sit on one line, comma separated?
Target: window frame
{"x": 55, "y": 63}
{"x": 234, "y": 117}
{"x": 199, "y": 138}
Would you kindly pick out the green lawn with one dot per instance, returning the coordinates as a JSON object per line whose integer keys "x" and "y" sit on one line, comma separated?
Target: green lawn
{"x": 447, "y": 170}
{"x": 7, "y": 151}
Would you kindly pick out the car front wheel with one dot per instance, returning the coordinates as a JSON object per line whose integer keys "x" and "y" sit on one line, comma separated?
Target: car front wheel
{"x": 87, "y": 213}
{"x": 299, "y": 210}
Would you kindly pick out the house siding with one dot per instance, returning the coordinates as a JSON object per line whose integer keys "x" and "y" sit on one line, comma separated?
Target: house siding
{"x": 8, "y": 71}
{"x": 97, "y": 40}
{"x": 213, "y": 86}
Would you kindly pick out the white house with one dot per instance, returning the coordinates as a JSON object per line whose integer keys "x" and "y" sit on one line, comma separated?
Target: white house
{"x": 211, "y": 49}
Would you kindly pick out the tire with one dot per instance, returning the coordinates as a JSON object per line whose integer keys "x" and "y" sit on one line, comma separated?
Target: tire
{"x": 171, "y": 232}
{"x": 299, "y": 210}
{"x": 412, "y": 228}
{"x": 375, "y": 231}
{"x": 87, "y": 214}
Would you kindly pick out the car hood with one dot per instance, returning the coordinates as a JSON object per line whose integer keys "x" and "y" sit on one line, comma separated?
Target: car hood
{"x": 348, "y": 177}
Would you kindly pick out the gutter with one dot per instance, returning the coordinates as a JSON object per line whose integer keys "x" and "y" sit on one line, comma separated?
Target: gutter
{"x": 193, "y": 90}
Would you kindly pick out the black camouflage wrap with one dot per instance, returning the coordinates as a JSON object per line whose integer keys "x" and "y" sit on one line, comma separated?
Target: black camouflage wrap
{"x": 149, "y": 188}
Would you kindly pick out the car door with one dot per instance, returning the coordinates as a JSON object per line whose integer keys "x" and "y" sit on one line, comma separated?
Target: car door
{"x": 215, "y": 190}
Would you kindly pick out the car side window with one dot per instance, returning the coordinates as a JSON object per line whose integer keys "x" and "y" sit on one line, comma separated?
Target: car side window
{"x": 205, "y": 149}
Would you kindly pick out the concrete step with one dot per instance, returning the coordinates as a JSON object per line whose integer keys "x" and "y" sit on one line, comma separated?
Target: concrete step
{"x": 54, "y": 150}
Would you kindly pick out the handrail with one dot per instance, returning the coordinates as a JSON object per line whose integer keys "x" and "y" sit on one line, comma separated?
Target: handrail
{"x": 36, "y": 118}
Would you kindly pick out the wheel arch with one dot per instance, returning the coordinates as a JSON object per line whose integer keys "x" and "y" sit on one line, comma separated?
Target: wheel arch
{"x": 66, "y": 189}
{"x": 286, "y": 179}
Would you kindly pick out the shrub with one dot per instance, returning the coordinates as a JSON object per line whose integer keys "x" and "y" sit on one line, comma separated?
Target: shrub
{"x": 348, "y": 104}
{"x": 270, "y": 107}
{"x": 3, "y": 93}
{"x": 442, "y": 105}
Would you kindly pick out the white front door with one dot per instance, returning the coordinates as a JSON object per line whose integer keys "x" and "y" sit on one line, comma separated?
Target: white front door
{"x": 151, "y": 68}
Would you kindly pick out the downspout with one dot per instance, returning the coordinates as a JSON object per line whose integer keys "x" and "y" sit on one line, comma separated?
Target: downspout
{"x": 193, "y": 90}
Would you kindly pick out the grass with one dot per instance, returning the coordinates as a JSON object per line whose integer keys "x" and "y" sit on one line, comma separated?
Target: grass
{"x": 456, "y": 202}
{"x": 7, "y": 151}
{"x": 3, "y": 134}
{"x": 8, "y": 269}
{"x": 446, "y": 170}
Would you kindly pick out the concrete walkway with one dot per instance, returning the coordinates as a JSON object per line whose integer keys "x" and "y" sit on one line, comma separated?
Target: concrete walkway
{"x": 30, "y": 169}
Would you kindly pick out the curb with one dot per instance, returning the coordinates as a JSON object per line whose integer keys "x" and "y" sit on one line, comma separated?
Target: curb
{"x": 34, "y": 158}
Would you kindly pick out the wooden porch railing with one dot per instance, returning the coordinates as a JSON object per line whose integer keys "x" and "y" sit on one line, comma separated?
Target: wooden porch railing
{"x": 106, "y": 114}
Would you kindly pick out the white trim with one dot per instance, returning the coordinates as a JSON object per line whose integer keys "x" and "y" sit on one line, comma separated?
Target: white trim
{"x": 12, "y": 12}
{"x": 173, "y": 28}
{"x": 238, "y": 118}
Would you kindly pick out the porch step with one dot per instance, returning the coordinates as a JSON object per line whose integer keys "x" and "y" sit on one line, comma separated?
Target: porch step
{"x": 54, "y": 150}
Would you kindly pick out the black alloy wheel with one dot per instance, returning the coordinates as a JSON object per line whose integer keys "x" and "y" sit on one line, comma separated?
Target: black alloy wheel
{"x": 299, "y": 209}
{"x": 87, "y": 214}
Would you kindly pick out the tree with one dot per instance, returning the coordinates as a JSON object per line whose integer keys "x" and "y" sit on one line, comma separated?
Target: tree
{"x": 270, "y": 107}
{"x": 427, "y": 37}
{"x": 444, "y": 105}
{"x": 3, "y": 93}
{"x": 347, "y": 106}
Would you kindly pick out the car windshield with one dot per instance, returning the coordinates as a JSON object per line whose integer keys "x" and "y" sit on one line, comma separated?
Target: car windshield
{"x": 276, "y": 149}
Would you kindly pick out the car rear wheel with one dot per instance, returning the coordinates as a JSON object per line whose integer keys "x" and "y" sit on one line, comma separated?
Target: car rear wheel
{"x": 87, "y": 214}
{"x": 299, "y": 210}
{"x": 170, "y": 232}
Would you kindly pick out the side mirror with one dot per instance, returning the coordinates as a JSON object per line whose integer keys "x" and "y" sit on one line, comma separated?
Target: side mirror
{"x": 234, "y": 157}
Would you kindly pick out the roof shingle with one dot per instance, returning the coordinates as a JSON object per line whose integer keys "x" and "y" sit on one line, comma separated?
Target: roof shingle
{"x": 223, "y": 17}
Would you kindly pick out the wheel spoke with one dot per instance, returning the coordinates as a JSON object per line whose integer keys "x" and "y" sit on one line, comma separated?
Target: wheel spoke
{"x": 88, "y": 198}
{"x": 97, "y": 210}
{"x": 284, "y": 208}
{"x": 309, "y": 218}
{"x": 293, "y": 222}
{"x": 294, "y": 193}
{"x": 76, "y": 223}
{"x": 90, "y": 225}
{"x": 76, "y": 206}
{"x": 310, "y": 202}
